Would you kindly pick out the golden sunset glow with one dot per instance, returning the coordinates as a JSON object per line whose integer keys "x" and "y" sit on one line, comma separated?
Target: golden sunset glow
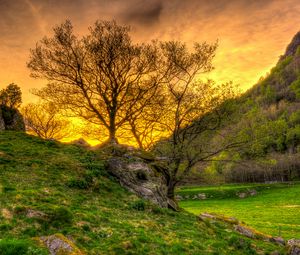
{"x": 251, "y": 34}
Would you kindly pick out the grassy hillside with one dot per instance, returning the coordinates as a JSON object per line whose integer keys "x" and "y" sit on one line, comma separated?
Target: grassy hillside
{"x": 49, "y": 188}
{"x": 267, "y": 120}
{"x": 273, "y": 210}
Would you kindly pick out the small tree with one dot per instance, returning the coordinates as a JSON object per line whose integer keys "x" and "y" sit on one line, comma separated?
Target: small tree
{"x": 11, "y": 96}
{"x": 194, "y": 110}
{"x": 45, "y": 121}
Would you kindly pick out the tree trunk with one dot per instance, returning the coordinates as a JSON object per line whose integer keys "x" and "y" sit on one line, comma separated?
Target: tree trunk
{"x": 171, "y": 189}
{"x": 112, "y": 128}
{"x": 112, "y": 136}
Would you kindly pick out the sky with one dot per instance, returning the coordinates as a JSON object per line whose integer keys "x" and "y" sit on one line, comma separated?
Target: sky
{"x": 252, "y": 34}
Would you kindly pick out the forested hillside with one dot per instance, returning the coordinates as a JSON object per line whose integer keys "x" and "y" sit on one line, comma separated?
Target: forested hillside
{"x": 266, "y": 119}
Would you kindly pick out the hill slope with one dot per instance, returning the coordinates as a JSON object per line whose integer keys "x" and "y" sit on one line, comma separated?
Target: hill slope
{"x": 268, "y": 118}
{"x": 49, "y": 188}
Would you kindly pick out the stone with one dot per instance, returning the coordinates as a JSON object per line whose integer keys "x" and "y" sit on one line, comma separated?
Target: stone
{"x": 207, "y": 216}
{"x": 292, "y": 47}
{"x": 278, "y": 240}
{"x": 202, "y": 196}
{"x": 81, "y": 142}
{"x": 139, "y": 177}
{"x": 30, "y": 213}
{"x": 252, "y": 192}
{"x": 58, "y": 244}
{"x": 293, "y": 242}
{"x": 242, "y": 195}
{"x": 11, "y": 119}
{"x": 178, "y": 197}
{"x": 294, "y": 250}
{"x": 244, "y": 231}
{"x": 275, "y": 253}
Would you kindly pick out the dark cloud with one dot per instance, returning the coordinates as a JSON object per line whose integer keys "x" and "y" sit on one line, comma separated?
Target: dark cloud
{"x": 142, "y": 13}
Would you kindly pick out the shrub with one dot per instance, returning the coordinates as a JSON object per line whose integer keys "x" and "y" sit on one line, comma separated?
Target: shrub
{"x": 138, "y": 205}
{"x": 61, "y": 216}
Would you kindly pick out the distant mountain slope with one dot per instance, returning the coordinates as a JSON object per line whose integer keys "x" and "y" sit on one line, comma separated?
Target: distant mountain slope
{"x": 63, "y": 191}
{"x": 268, "y": 117}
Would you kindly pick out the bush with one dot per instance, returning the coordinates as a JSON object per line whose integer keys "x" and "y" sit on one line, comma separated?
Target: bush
{"x": 61, "y": 216}
{"x": 138, "y": 205}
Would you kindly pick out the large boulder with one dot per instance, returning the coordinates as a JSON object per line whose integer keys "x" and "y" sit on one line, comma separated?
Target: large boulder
{"x": 137, "y": 173}
{"x": 11, "y": 119}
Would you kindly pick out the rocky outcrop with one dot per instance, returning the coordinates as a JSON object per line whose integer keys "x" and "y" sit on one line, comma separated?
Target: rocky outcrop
{"x": 137, "y": 174}
{"x": 58, "y": 244}
{"x": 11, "y": 119}
{"x": 293, "y": 46}
{"x": 294, "y": 246}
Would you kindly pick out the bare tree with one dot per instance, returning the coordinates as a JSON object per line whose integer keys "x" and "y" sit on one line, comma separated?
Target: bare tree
{"x": 45, "y": 121}
{"x": 102, "y": 77}
{"x": 194, "y": 110}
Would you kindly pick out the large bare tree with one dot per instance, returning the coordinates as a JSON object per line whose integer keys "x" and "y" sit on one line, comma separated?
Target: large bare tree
{"x": 102, "y": 77}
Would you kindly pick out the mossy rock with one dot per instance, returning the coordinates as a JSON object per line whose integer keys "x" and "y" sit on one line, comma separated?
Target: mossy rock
{"x": 58, "y": 244}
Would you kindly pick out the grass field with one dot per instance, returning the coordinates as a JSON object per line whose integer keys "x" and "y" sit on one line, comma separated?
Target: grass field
{"x": 71, "y": 194}
{"x": 274, "y": 210}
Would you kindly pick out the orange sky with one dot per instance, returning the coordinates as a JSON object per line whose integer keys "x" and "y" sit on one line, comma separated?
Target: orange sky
{"x": 252, "y": 34}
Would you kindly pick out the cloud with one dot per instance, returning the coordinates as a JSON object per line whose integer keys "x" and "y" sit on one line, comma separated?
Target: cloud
{"x": 251, "y": 33}
{"x": 142, "y": 13}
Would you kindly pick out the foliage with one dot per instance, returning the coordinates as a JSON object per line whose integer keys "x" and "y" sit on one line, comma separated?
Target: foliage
{"x": 295, "y": 86}
{"x": 11, "y": 96}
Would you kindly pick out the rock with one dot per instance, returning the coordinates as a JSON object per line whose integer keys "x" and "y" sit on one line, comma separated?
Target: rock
{"x": 58, "y": 244}
{"x": 35, "y": 214}
{"x": 11, "y": 119}
{"x": 202, "y": 196}
{"x": 278, "y": 240}
{"x": 292, "y": 47}
{"x": 294, "y": 250}
{"x": 80, "y": 142}
{"x": 242, "y": 195}
{"x": 244, "y": 231}
{"x": 207, "y": 216}
{"x": 275, "y": 253}
{"x": 293, "y": 242}
{"x": 252, "y": 192}
{"x": 178, "y": 197}
{"x": 139, "y": 177}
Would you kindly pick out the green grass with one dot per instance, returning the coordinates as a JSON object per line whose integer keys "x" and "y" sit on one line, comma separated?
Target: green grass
{"x": 71, "y": 190}
{"x": 275, "y": 210}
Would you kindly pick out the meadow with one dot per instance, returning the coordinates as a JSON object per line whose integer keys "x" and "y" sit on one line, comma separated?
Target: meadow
{"x": 273, "y": 209}
{"x": 48, "y": 188}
